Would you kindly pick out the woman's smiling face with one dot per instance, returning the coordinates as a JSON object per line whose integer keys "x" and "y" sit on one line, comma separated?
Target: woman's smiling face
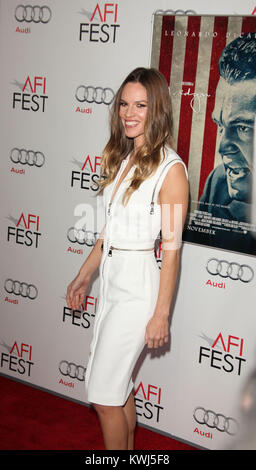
{"x": 133, "y": 111}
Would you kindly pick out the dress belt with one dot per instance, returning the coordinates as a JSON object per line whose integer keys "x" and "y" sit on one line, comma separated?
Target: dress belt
{"x": 129, "y": 246}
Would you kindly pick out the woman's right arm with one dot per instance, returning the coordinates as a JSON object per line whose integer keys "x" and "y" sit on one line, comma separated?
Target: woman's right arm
{"x": 77, "y": 288}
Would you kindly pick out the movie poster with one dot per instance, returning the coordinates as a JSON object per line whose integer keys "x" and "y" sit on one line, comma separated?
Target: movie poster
{"x": 210, "y": 65}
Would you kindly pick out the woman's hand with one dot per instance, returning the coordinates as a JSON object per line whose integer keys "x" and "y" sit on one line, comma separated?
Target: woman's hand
{"x": 76, "y": 291}
{"x": 157, "y": 331}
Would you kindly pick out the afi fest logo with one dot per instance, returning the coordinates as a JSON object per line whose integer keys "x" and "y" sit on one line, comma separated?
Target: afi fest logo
{"x": 32, "y": 96}
{"x": 18, "y": 359}
{"x": 148, "y": 401}
{"x": 102, "y": 26}
{"x": 82, "y": 317}
{"x": 158, "y": 251}
{"x": 224, "y": 354}
{"x": 87, "y": 176}
{"x": 25, "y": 230}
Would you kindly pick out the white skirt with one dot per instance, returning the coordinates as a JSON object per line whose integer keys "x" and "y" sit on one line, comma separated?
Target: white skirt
{"x": 129, "y": 285}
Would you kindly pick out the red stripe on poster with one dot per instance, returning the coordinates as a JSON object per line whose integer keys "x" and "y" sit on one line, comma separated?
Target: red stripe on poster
{"x": 210, "y": 128}
{"x": 249, "y": 24}
{"x": 188, "y": 86}
{"x": 165, "y": 59}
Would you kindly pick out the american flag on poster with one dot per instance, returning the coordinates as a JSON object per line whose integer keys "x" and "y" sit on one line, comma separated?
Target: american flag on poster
{"x": 210, "y": 65}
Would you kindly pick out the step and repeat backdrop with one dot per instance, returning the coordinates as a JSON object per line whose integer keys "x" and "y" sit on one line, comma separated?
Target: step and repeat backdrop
{"x": 61, "y": 64}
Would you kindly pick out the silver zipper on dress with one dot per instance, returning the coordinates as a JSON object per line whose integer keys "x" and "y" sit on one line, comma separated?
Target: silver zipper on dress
{"x": 109, "y": 206}
{"x": 152, "y": 199}
{"x": 127, "y": 249}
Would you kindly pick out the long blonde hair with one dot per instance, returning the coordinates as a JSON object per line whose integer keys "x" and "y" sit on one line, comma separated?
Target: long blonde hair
{"x": 157, "y": 132}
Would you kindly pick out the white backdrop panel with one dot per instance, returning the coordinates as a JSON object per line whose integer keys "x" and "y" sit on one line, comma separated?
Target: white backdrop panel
{"x": 41, "y": 341}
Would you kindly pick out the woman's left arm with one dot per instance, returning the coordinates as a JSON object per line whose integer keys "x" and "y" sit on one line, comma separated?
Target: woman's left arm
{"x": 173, "y": 198}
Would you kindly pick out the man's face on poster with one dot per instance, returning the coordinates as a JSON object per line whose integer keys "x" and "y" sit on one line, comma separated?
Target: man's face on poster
{"x": 234, "y": 112}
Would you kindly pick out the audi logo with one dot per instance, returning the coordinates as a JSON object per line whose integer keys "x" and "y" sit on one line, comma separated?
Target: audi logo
{"x": 28, "y": 157}
{"x": 21, "y": 288}
{"x": 175, "y": 12}
{"x": 216, "y": 421}
{"x": 72, "y": 370}
{"x": 81, "y": 236}
{"x": 35, "y": 14}
{"x": 233, "y": 270}
{"x": 96, "y": 95}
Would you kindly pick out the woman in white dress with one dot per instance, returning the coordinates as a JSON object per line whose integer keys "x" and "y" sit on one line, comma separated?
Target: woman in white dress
{"x": 144, "y": 191}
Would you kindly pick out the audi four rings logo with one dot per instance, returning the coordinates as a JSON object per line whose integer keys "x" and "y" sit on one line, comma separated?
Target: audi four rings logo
{"x": 233, "y": 270}
{"x": 28, "y": 157}
{"x": 21, "y": 288}
{"x": 35, "y": 14}
{"x": 81, "y": 236}
{"x": 96, "y": 95}
{"x": 72, "y": 370}
{"x": 216, "y": 421}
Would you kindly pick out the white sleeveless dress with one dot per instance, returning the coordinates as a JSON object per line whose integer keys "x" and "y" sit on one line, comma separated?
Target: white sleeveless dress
{"x": 129, "y": 284}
